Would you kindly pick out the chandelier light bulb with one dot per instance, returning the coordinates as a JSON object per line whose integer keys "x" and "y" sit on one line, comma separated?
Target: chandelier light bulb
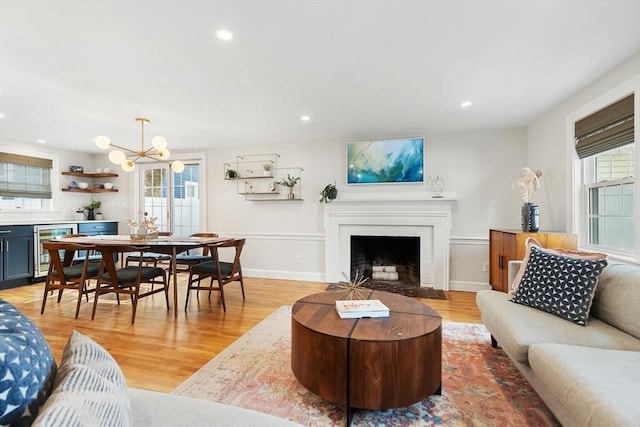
{"x": 128, "y": 166}
{"x": 102, "y": 141}
{"x": 163, "y": 154}
{"x": 117, "y": 157}
{"x": 158, "y": 143}
{"x": 177, "y": 166}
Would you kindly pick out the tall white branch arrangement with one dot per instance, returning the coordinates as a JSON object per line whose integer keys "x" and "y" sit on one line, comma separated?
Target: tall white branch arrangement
{"x": 528, "y": 184}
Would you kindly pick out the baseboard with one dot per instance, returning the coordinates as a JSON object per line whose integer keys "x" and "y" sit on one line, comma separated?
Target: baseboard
{"x": 284, "y": 275}
{"x": 468, "y": 286}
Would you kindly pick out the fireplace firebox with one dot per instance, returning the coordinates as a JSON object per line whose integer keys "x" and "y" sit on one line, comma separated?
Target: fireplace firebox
{"x": 401, "y": 254}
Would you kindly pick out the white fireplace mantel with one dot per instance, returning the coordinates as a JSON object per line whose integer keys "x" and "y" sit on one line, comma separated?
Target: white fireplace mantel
{"x": 396, "y": 216}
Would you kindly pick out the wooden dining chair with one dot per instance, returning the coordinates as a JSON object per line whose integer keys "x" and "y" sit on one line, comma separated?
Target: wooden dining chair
{"x": 220, "y": 273}
{"x": 151, "y": 258}
{"x": 191, "y": 257}
{"x": 68, "y": 272}
{"x": 127, "y": 280}
{"x": 93, "y": 255}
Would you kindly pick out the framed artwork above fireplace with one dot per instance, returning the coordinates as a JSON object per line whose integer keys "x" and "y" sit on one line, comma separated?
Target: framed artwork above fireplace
{"x": 386, "y": 161}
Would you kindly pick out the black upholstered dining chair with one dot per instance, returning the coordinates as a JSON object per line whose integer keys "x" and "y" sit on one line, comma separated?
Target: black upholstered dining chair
{"x": 218, "y": 272}
{"x": 69, "y": 271}
{"x": 127, "y": 280}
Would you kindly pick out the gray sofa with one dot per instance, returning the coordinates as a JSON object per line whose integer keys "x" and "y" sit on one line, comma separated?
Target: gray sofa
{"x": 88, "y": 388}
{"x": 587, "y": 375}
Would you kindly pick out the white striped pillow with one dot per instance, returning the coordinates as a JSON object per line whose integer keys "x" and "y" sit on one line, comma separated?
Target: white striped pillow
{"x": 90, "y": 388}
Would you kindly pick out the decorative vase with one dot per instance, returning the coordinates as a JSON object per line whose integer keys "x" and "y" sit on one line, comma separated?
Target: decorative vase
{"x": 530, "y": 217}
{"x": 291, "y": 196}
{"x": 90, "y": 215}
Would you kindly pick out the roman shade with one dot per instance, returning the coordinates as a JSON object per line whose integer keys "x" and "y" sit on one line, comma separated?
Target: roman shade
{"x": 24, "y": 176}
{"x": 606, "y": 129}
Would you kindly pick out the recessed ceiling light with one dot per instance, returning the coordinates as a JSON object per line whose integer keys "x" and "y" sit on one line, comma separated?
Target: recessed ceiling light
{"x": 225, "y": 35}
{"x": 305, "y": 118}
{"x": 465, "y": 104}
{"x": 1, "y": 116}
{"x": 42, "y": 141}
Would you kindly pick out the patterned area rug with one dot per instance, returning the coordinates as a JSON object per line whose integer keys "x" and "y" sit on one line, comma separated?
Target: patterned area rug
{"x": 481, "y": 387}
{"x": 399, "y": 288}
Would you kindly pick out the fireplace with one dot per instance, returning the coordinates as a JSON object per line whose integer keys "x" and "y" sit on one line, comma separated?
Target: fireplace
{"x": 425, "y": 219}
{"x": 386, "y": 258}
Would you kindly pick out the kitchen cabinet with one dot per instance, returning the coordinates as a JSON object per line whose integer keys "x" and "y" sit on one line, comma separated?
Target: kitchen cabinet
{"x": 509, "y": 245}
{"x": 98, "y": 228}
{"x": 16, "y": 250}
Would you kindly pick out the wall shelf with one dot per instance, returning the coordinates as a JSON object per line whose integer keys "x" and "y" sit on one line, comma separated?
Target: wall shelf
{"x": 91, "y": 188}
{"x": 256, "y": 177}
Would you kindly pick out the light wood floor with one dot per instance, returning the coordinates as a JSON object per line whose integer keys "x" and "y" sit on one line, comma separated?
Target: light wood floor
{"x": 160, "y": 351}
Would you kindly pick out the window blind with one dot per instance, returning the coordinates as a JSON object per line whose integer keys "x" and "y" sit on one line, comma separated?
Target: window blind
{"x": 24, "y": 176}
{"x": 606, "y": 129}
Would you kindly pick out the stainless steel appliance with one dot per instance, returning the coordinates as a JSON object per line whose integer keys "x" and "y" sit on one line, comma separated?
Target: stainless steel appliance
{"x": 45, "y": 233}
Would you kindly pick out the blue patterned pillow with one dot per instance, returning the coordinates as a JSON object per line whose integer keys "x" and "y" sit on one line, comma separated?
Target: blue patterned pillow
{"x": 27, "y": 368}
{"x": 560, "y": 285}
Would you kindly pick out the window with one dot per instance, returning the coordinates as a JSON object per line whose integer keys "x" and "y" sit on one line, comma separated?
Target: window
{"x": 610, "y": 189}
{"x": 25, "y": 182}
{"x": 603, "y": 160}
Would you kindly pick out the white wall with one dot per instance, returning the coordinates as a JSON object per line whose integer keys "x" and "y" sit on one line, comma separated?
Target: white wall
{"x": 286, "y": 239}
{"x": 547, "y": 145}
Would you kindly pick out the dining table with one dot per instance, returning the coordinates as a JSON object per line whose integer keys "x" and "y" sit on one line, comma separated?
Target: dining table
{"x": 169, "y": 245}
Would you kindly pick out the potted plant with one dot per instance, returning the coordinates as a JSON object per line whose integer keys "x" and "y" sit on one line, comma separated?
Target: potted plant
{"x": 289, "y": 182}
{"x": 90, "y": 209}
{"x": 230, "y": 174}
{"x": 328, "y": 193}
{"x": 267, "y": 169}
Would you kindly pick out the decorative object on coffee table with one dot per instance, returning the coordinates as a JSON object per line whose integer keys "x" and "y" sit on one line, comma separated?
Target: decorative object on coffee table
{"x": 352, "y": 289}
{"x": 528, "y": 185}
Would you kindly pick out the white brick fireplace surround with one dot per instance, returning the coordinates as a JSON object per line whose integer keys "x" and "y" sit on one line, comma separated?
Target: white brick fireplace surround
{"x": 392, "y": 216}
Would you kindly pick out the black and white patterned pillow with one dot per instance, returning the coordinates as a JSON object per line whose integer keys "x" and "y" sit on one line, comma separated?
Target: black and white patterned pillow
{"x": 559, "y": 284}
{"x": 27, "y": 367}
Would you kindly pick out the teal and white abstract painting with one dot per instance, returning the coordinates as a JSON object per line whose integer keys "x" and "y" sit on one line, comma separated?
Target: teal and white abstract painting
{"x": 381, "y": 161}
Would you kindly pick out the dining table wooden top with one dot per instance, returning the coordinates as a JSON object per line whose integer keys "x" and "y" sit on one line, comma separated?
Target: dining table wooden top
{"x": 170, "y": 245}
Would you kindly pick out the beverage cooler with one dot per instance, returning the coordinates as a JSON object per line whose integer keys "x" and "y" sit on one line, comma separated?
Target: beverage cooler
{"x": 45, "y": 233}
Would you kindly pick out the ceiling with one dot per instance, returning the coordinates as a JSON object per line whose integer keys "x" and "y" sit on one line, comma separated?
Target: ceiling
{"x": 72, "y": 70}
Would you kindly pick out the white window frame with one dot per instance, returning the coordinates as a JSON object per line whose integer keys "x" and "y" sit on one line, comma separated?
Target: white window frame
{"x": 136, "y": 210}
{"x": 577, "y": 210}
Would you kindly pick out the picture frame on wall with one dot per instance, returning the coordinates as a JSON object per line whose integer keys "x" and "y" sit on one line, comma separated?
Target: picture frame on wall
{"x": 386, "y": 161}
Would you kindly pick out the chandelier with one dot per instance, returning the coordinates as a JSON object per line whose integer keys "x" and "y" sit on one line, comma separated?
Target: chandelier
{"x": 158, "y": 151}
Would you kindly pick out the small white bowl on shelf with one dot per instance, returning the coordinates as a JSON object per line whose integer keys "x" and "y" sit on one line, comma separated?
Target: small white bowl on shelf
{"x": 83, "y": 185}
{"x": 108, "y": 185}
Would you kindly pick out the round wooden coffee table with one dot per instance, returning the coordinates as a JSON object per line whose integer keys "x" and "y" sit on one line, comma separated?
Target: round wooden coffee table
{"x": 368, "y": 363}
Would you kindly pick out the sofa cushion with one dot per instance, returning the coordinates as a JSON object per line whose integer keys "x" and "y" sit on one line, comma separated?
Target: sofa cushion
{"x": 617, "y": 297}
{"x": 151, "y": 408}
{"x": 89, "y": 389}
{"x": 27, "y": 367}
{"x": 598, "y": 387}
{"x": 516, "y": 327}
{"x": 559, "y": 284}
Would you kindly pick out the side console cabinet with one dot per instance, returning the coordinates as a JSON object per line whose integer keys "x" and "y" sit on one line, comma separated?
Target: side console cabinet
{"x": 509, "y": 245}
{"x": 16, "y": 260}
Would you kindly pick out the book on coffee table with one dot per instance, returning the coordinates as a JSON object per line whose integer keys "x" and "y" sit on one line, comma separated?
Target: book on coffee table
{"x": 355, "y": 309}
